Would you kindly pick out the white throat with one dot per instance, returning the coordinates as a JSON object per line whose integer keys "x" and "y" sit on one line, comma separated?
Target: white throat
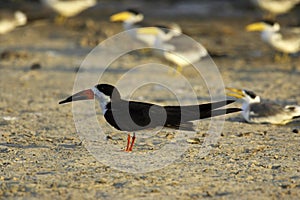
{"x": 255, "y": 100}
{"x": 102, "y": 98}
{"x": 247, "y": 100}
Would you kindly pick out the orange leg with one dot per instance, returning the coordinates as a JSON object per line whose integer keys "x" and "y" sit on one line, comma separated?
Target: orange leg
{"x": 128, "y": 142}
{"x": 130, "y": 145}
{"x": 132, "y": 142}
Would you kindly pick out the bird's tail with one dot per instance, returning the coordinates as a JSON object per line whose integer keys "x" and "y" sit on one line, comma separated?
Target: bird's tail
{"x": 213, "y": 111}
{"x": 214, "y": 105}
{"x": 177, "y": 114}
{"x": 219, "y": 112}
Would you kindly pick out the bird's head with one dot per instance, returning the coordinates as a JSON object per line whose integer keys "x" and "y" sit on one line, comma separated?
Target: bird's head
{"x": 103, "y": 92}
{"x": 128, "y": 16}
{"x": 265, "y": 25}
{"x": 245, "y": 95}
{"x": 20, "y": 18}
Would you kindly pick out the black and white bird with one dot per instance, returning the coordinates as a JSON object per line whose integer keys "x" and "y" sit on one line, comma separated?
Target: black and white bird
{"x": 133, "y": 116}
{"x": 256, "y": 111}
{"x": 141, "y": 31}
{"x": 286, "y": 41}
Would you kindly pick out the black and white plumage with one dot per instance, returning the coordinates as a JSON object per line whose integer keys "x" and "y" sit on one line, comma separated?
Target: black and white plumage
{"x": 283, "y": 40}
{"x": 134, "y": 116}
{"x": 176, "y": 47}
{"x": 256, "y": 111}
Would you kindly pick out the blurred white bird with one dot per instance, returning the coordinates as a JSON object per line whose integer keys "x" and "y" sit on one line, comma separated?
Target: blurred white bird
{"x": 255, "y": 111}
{"x": 69, "y": 8}
{"x": 180, "y": 49}
{"x": 276, "y": 7}
{"x": 146, "y": 33}
{"x": 286, "y": 41}
{"x": 10, "y": 20}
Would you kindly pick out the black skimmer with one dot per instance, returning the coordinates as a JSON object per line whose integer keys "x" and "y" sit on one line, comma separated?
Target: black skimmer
{"x": 255, "y": 111}
{"x": 133, "y": 116}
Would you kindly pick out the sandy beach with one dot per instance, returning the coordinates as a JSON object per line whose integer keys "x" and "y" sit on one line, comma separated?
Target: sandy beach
{"x": 44, "y": 157}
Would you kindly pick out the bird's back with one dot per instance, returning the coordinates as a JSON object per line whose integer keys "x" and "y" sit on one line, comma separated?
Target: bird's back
{"x": 270, "y": 113}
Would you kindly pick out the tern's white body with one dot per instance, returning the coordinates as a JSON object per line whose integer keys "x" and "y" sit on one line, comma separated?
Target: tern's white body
{"x": 273, "y": 37}
{"x": 69, "y": 8}
{"x": 269, "y": 113}
{"x": 9, "y": 21}
{"x": 148, "y": 34}
{"x": 255, "y": 111}
{"x": 285, "y": 41}
{"x": 276, "y": 7}
{"x": 181, "y": 50}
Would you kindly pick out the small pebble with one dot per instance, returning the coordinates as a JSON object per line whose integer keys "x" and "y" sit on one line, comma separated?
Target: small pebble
{"x": 101, "y": 181}
{"x": 35, "y": 66}
{"x": 108, "y": 137}
{"x": 295, "y": 130}
{"x": 9, "y": 55}
{"x": 76, "y": 69}
{"x": 169, "y": 136}
{"x": 9, "y": 118}
{"x": 193, "y": 140}
{"x": 5, "y": 55}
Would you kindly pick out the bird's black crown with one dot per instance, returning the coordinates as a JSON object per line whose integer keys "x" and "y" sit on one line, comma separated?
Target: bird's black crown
{"x": 269, "y": 22}
{"x": 134, "y": 11}
{"x": 108, "y": 90}
{"x": 250, "y": 94}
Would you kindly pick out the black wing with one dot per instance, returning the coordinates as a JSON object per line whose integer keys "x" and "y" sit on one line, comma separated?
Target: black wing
{"x": 195, "y": 112}
{"x": 184, "y": 114}
{"x": 133, "y": 116}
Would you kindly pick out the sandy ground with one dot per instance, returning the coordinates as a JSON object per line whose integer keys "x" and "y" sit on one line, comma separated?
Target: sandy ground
{"x": 42, "y": 155}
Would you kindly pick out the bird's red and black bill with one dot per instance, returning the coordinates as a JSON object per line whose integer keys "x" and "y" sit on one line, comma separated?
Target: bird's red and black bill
{"x": 82, "y": 95}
